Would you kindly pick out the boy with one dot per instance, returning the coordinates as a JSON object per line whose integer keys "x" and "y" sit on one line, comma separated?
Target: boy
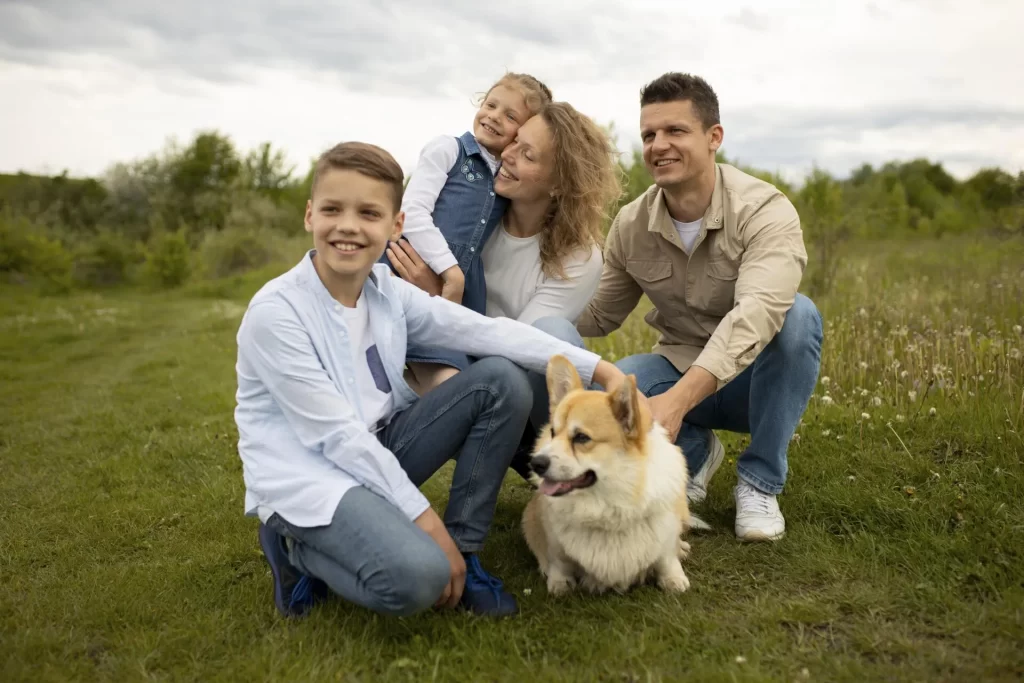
{"x": 334, "y": 443}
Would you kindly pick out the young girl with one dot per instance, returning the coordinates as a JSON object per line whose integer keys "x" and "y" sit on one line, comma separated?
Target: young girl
{"x": 451, "y": 208}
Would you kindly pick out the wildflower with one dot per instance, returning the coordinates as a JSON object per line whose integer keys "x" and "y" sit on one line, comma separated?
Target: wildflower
{"x": 936, "y": 475}
{"x": 827, "y": 400}
{"x": 795, "y": 437}
{"x": 863, "y": 365}
{"x": 863, "y": 393}
{"x": 903, "y": 375}
{"x": 932, "y": 412}
{"x": 863, "y": 312}
{"x": 876, "y": 401}
{"x": 852, "y": 478}
{"x": 970, "y": 394}
{"x": 865, "y": 416}
{"x": 900, "y": 418}
{"x": 912, "y": 395}
{"x": 909, "y": 490}
{"x": 826, "y": 432}
{"x": 825, "y": 381}
{"x": 1015, "y": 354}
{"x": 527, "y": 591}
{"x": 740, "y": 659}
{"x": 1018, "y": 329}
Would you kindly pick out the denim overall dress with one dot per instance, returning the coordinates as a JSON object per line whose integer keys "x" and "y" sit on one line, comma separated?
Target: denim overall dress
{"x": 466, "y": 212}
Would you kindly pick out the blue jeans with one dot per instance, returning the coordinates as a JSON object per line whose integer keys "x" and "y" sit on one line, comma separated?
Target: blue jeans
{"x": 372, "y": 554}
{"x": 766, "y": 400}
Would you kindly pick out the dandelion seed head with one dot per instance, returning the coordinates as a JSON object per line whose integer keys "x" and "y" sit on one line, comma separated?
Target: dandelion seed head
{"x": 876, "y": 401}
{"x": 825, "y": 381}
{"x": 932, "y": 412}
{"x": 912, "y": 395}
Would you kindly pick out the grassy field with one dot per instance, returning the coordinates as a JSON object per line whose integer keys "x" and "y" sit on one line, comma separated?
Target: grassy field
{"x": 124, "y": 554}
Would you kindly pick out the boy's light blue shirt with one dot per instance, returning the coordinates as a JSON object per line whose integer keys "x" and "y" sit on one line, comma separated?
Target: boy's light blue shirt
{"x": 302, "y": 437}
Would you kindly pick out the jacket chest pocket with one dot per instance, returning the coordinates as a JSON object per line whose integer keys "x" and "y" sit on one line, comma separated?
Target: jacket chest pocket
{"x": 655, "y": 278}
{"x": 714, "y": 291}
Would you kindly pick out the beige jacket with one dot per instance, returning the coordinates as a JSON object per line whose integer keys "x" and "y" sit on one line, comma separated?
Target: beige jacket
{"x": 718, "y": 307}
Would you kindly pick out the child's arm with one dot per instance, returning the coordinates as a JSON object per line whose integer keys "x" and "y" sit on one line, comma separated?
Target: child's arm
{"x": 275, "y": 346}
{"x": 426, "y": 183}
{"x": 433, "y": 321}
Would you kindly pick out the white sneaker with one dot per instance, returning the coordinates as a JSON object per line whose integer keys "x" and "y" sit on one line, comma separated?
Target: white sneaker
{"x": 758, "y": 517}
{"x": 697, "y": 486}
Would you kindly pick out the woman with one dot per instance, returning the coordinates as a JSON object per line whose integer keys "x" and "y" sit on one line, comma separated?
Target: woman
{"x": 543, "y": 262}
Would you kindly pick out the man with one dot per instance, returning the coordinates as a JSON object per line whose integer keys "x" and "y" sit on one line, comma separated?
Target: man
{"x": 720, "y": 254}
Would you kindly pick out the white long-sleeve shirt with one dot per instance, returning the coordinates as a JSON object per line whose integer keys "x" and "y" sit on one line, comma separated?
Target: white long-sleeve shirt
{"x": 436, "y": 160}
{"x": 518, "y": 288}
{"x": 303, "y": 432}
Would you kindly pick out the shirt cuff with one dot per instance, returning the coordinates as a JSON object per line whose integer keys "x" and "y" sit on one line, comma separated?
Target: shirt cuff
{"x": 411, "y": 501}
{"x": 721, "y": 365}
{"x": 441, "y": 263}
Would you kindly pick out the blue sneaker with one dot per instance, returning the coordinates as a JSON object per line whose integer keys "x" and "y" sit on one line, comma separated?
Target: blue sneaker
{"x": 294, "y": 592}
{"x": 484, "y": 593}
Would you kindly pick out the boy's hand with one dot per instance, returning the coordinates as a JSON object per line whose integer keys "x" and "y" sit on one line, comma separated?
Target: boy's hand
{"x": 432, "y": 524}
{"x": 454, "y": 284}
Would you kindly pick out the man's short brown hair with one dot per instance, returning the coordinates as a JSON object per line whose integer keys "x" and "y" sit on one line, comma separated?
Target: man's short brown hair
{"x": 362, "y": 157}
{"x": 674, "y": 86}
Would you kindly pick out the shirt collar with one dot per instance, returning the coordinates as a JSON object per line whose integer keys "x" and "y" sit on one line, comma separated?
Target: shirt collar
{"x": 661, "y": 222}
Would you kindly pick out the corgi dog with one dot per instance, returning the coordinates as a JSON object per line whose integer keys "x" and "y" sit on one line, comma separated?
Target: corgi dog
{"x": 610, "y": 506}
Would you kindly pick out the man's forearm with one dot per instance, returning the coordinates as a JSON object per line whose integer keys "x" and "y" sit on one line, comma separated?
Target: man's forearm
{"x": 693, "y": 387}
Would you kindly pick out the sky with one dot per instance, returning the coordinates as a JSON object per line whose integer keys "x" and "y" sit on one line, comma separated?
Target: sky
{"x": 801, "y": 83}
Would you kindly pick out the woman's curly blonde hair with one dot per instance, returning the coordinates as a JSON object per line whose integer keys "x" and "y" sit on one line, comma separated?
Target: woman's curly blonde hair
{"x": 588, "y": 182}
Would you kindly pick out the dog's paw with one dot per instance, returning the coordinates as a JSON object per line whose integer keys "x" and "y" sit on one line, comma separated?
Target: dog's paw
{"x": 674, "y": 582}
{"x": 684, "y": 549}
{"x": 560, "y": 585}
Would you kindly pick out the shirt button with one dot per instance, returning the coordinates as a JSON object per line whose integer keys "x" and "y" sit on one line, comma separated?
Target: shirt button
{"x": 472, "y": 249}
{"x": 482, "y": 220}
{"x": 492, "y": 194}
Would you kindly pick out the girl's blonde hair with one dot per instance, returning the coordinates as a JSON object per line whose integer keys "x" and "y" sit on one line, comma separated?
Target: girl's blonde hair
{"x": 587, "y": 182}
{"x": 536, "y": 94}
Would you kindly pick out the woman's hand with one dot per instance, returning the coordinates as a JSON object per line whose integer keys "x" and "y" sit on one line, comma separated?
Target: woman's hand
{"x": 411, "y": 268}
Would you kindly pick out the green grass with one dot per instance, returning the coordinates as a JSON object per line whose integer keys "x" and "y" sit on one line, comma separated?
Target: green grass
{"x": 124, "y": 554}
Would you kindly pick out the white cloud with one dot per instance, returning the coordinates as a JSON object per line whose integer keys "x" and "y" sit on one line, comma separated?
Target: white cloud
{"x": 799, "y": 82}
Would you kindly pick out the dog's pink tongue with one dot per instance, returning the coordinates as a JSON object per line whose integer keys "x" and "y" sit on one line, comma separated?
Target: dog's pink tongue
{"x": 553, "y": 488}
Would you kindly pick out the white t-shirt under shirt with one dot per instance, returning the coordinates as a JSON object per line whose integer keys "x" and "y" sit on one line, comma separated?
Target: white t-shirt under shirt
{"x": 374, "y": 388}
{"x": 517, "y": 287}
{"x": 688, "y": 232}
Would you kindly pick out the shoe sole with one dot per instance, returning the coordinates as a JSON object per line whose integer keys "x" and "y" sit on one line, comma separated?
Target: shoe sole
{"x": 715, "y": 459}
{"x": 759, "y": 537}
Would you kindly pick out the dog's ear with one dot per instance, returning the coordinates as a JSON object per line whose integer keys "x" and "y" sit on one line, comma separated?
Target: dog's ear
{"x": 562, "y": 378}
{"x": 625, "y": 406}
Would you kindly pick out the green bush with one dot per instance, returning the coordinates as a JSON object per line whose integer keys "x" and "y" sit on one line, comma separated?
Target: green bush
{"x": 105, "y": 260}
{"x": 27, "y": 253}
{"x": 168, "y": 259}
{"x": 237, "y": 249}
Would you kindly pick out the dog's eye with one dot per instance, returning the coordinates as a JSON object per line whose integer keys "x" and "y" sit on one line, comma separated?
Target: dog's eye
{"x": 580, "y": 438}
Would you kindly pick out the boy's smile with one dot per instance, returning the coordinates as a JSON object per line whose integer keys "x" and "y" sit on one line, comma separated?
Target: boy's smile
{"x": 352, "y": 217}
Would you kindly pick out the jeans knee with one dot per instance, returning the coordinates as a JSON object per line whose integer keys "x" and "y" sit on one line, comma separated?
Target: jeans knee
{"x": 414, "y": 582}
{"x": 559, "y": 328}
{"x": 510, "y": 383}
{"x": 802, "y": 328}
